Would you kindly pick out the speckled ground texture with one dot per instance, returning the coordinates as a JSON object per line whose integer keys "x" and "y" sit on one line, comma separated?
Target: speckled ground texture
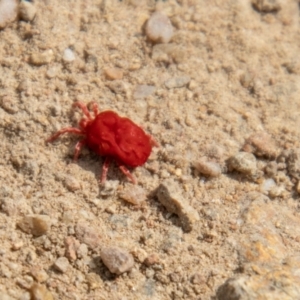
{"x": 216, "y": 211}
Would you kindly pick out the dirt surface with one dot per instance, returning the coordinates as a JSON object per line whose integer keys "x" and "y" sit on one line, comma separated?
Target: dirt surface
{"x": 216, "y": 214}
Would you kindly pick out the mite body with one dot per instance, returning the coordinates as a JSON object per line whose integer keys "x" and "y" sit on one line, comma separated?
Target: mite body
{"x": 107, "y": 134}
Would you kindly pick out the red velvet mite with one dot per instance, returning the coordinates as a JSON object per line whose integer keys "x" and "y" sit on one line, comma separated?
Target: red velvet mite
{"x": 112, "y": 136}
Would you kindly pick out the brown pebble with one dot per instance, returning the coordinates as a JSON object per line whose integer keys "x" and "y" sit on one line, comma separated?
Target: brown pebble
{"x": 71, "y": 246}
{"x": 27, "y": 11}
{"x": 152, "y": 259}
{"x": 260, "y": 144}
{"x": 61, "y": 264}
{"x": 113, "y": 73}
{"x": 40, "y": 292}
{"x": 39, "y": 59}
{"x": 37, "y": 225}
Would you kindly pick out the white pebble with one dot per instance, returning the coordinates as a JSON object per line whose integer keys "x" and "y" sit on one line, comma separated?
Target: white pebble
{"x": 117, "y": 260}
{"x": 68, "y": 55}
{"x": 8, "y": 12}
{"x": 267, "y": 185}
{"x": 177, "y": 82}
{"x": 159, "y": 28}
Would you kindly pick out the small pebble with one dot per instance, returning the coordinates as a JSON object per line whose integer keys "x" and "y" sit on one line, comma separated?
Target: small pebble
{"x": 298, "y": 187}
{"x": 177, "y": 82}
{"x": 71, "y": 246}
{"x": 117, "y": 260}
{"x": 37, "y": 225}
{"x": 88, "y": 234}
{"x": 267, "y": 185}
{"x": 152, "y": 259}
{"x": 27, "y": 11}
{"x": 71, "y": 183}
{"x": 93, "y": 281}
{"x": 68, "y": 55}
{"x": 267, "y": 6}
{"x": 113, "y": 73}
{"x": 169, "y": 194}
{"x": 243, "y": 162}
{"x": 8, "y": 12}
{"x": 82, "y": 251}
{"x": 39, "y": 59}
{"x": 159, "y": 28}
{"x": 208, "y": 168}
{"x": 61, "y": 264}
{"x": 118, "y": 87}
{"x": 143, "y": 91}
{"x": 39, "y": 274}
{"x": 40, "y": 292}
{"x": 133, "y": 194}
{"x": 260, "y": 144}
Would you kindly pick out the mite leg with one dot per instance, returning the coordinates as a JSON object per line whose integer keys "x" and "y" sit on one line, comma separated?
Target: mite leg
{"x": 127, "y": 173}
{"x": 84, "y": 109}
{"x": 105, "y": 169}
{"x": 78, "y": 148}
{"x": 153, "y": 142}
{"x": 63, "y": 131}
{"x": 95, "y": 108}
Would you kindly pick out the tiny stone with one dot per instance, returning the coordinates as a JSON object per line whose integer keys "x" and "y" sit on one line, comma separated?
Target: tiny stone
{"x": 40, "y": 292}
{"x": 143, "y": 91}
{"x": 39, "y": 274}
{"x": 88, "y": 234}
{"x": 93, "y": 281}
{"x": 298, "y": 187}
{"x": 8, "y": 12}
{"x": 39, "y": 59}
{"x": 61, "y": 264}
{"x": 17, "y": 245}
{"x": 243, "y": 162}
{"x": 118, "y": 87}
{"x": 177, "y": 82}
{"x": 37, "y": 225}
{"x": 71, "y": 246}
{"x": 68, "y": 55}
{"x": 266, "y": 6}
{"x": 133, "y": 194}
{"x": 267, "y": 185}
{"x": 113, "y": 73}
{"x": 170, "y": 196}
{"x": 152, "y": 259}
{"x": 82, "y": 251}
{"x": 159, "y": 28}
{"x": 260, "y": 144}
{"x": 117, "y": 260}
{"x": 208, "y": 168}
{"x": 27, "y": 11}
{"x": 71, "y": 183}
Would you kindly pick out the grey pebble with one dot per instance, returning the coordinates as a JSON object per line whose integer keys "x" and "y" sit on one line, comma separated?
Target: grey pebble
{"x": 117, "y": 260}
{"x": 243, "y": 162}
{"x": 177, "y": 82}
{"x": 61, "y": 264}
{"x": 142, "y": 91}
{"x": 169, "y": 194}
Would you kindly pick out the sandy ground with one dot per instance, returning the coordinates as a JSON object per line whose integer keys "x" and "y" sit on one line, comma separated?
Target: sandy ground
{"x": 240, "y": 66}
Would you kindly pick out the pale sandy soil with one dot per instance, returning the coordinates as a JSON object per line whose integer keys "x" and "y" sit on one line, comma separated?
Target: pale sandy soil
{"x": 244, "y": 71}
